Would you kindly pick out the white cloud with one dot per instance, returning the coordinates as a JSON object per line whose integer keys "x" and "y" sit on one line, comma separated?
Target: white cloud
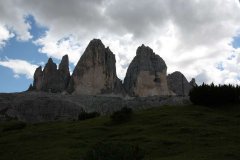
{"x": 59, "y": 47}
{"x": 192, "y": 36}
{"x": 5, "y": 35}
{"x": 13, "y": 17}
{"x": 19, "y": 67}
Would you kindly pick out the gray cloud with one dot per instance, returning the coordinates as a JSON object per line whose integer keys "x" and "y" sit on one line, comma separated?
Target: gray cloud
{"x": 186, "y": 33}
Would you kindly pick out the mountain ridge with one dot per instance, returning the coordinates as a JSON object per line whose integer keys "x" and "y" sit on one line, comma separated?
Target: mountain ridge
{"x": 95, "y": 74}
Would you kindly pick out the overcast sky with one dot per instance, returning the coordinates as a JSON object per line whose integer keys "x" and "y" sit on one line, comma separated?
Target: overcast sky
{"x": 200, "y": 38}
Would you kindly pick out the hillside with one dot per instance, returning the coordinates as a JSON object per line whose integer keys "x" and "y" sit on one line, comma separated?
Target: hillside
{"x": 167, "y": 133}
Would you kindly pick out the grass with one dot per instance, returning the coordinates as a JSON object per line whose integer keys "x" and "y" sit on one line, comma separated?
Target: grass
{"x": 165, "y": 133}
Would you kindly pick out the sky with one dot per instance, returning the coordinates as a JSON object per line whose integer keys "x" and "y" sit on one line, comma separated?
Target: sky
{"x": 200, "y": 38}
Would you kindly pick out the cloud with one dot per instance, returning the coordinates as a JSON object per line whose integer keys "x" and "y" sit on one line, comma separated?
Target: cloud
{"x": 19, "y": 67}
{"x": 192, "y": 36}
{"x": 14, "y": 18}
{"x": 57, "y": 48}
{"x": 5, "y": 35}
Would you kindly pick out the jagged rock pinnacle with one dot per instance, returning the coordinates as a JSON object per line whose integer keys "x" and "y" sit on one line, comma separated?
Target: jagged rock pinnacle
{"x": 178, "y": 83}
{"x": 146, "y": 74}
{"x": 95, "y": 72}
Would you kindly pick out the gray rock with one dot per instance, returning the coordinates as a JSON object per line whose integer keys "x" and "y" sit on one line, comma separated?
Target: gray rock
{"x": 37, "y": 79}
{"x": 146, "y": 74}
{"x": 36, "y": 107}
{"x": 178, "y": 83}
{"x": 52, "y": 80}
{"x": 193, "y": 82}
{"x": 64, "y": 70}
{"x": 95, "y": 72}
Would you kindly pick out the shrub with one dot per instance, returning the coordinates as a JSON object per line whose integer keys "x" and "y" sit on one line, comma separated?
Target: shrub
{"x": 123, "y": 115}
{"x": 84, "y": 115}
{"x": 114, "y": 151}
{"x": 212, "y": 95}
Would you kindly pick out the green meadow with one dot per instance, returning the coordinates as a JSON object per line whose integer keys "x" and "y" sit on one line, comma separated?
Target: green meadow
{"x": 164, "y": 133}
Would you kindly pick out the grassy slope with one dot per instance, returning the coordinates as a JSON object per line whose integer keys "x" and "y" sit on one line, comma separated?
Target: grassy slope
{"x": 167, "y": 133}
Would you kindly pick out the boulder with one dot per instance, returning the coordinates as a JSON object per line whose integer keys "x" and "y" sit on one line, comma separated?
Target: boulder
{"x": 178, "y": 83}
{"x": 146, "y": 74}
{"x": 95, "y": 72}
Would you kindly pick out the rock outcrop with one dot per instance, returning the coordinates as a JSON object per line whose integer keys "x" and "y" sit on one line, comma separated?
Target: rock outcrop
{"x": 37, "y": 79}
{"x": 146, "y": 74}
{"x": 193, "y": 82}
{"x": 178, "y": 83}
{"x": 38, "y": 107}
{"x": 95, "y": 72}
{"x": 52, "y": 79}
{"x": 63, "y": 70}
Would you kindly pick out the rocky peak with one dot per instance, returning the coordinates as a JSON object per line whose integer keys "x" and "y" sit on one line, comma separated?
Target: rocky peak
{"x": 52, "y": 79}
{"x": 64, "y": 70}
{"x": 178, "y": 83}
{"x": 50, "y": 66}
{"x": 95, "y": 72}
{"x": 96, "y": 43}
{"x": 148, "y": 60}
{"x": 38, "y": 70}
{"x": 37, "y": 78}
{"x": 146, "y": 74}
{"x": 193, "y": 82}
{"x": 97, "y": 53}
{"x": 64, "y": 64}
{"x": 144, "y": 51}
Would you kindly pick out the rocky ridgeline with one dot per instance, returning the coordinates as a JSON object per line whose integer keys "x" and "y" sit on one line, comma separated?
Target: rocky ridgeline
{"x": 51, "y": 79}
{"x": 95, "y": 74}
{"x": 95, "y": 87}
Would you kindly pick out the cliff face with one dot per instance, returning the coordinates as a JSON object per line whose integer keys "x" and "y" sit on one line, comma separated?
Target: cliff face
{"x": 64, "y": 71}
{"x": 37, "y": 79}
{"x": 146, "y": 74}
{"x": 95, "y": 72}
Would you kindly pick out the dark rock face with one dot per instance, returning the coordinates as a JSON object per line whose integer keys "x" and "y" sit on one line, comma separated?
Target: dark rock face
{"x": 95, "y": 72}
{"x": 193, "y": 82}
{"x": 146, "y": 74}
{"x": 38, "y": 76}
{"x": 52, "y": 79}
{"x": 64, "y": 70}
{"x": 36, "y": 107}
{"x": 178, "y": 83}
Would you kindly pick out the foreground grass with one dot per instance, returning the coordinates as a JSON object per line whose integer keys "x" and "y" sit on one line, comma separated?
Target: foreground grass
{"x": 166, "y": 133}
